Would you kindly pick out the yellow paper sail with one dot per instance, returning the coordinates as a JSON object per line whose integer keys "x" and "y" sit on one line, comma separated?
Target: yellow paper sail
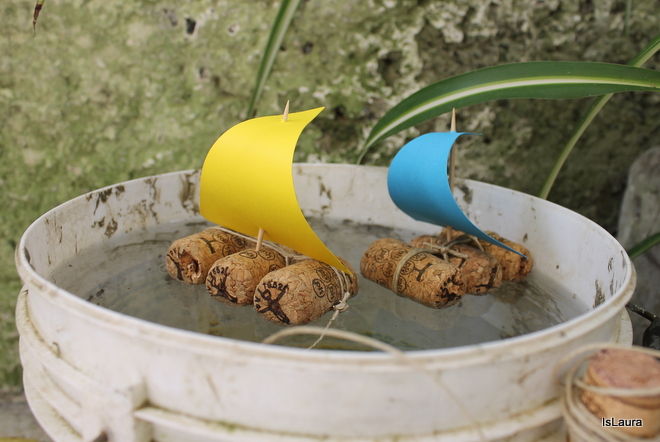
{"x": 247, "y": 184}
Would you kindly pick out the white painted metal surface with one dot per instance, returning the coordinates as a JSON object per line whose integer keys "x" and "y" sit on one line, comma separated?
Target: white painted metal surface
{"x": 89, "y": 370}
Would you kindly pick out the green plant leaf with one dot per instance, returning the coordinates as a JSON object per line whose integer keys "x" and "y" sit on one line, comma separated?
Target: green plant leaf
{"x": 626, "y": 18}
{"x": 540, "y": 79}
{"x": 588, "y": 117}
{"x": 278, "y": 30}
{"x": 644, "y": 245}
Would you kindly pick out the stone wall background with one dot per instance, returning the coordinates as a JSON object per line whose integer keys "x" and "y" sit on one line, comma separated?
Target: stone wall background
{"x": 111, "y": 90}
{"x": 639, "y": 219}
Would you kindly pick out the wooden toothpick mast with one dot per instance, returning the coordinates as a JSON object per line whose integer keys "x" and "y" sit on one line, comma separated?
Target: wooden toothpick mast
{"x": 260, "y": 239}
{"x": 260, "y": 235}
{"x": 452, "y": 166}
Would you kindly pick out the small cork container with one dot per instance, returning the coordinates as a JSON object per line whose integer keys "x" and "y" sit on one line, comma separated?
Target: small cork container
{"x": 413, "y": 273}
{"x": 189, "y": 259}
{"x": 624, "y": 369}
{"x": 481, "y": 271}
{"x": 233, "y": 279}
{"x": 300, "y": 293}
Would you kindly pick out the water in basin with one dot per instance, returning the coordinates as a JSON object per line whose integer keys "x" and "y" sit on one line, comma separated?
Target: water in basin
{"x": 128, "y": 275}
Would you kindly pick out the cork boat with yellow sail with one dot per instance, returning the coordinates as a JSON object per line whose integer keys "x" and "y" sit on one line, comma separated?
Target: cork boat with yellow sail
{"x": 247, "y": 184}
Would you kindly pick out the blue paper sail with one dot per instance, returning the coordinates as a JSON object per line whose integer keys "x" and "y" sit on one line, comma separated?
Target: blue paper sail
{"x": 419, "y": 185}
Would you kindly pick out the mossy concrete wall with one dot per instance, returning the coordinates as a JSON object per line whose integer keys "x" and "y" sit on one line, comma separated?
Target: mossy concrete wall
{"x": 110, "y": 90}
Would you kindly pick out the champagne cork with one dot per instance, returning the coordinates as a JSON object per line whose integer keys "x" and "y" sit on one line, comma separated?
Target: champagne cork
{"x": 481, "y": 271}
{"x": 514, "y": 266}
{"x": 233, "y": 279}
{"x": 625, "y": 369}
{"x": 412, "y": 273}
{"x": 300, "y": 293}
{"x": 189, "y": 259}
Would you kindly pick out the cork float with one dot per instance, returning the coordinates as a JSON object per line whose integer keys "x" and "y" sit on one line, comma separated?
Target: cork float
{"x": 303, "y": 292}
{"x": 233, "y": 279}
{"x": 515, "y": 266}
{"x": 189, "y": 259}
{"x": 481, "y": 271}
{"x": 413, "y": 273}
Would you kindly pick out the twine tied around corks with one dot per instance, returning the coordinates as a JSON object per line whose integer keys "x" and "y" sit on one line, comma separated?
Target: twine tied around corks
{"x": 581, "y": 423}
{"x": 432, "y": 249}
{"x": 340, "y": 307}
{"x": 421, "y": 276}
{"x": 444, "y": 250}
{"x": 436, "y": 249}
